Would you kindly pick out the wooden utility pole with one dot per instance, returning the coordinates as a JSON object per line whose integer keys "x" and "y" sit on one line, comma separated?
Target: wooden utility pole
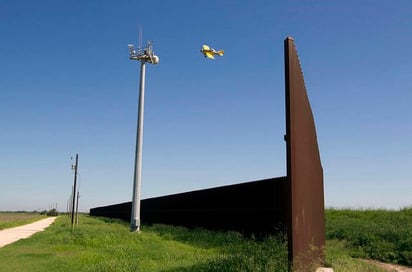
{"x": 74, "y": 167}
{"x": 77, "y": 207}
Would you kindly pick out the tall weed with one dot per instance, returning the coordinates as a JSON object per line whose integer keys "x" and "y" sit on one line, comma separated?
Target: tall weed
{"x": 383, "y": 235}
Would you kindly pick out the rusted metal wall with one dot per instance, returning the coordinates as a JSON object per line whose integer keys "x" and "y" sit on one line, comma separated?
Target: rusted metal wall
{"x": 306, "y": 233}
{"x": 120, "y": 211}
{"x": 252, "y": 207}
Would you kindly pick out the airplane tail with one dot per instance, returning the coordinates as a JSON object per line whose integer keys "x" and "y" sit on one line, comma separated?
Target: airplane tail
{"x": 220, "y": 52}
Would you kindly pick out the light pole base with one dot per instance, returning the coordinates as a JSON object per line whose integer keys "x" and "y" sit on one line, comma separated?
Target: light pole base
{"x": 135, "y": 226}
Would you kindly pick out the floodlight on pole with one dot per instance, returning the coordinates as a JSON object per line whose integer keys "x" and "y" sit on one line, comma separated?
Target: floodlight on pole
{"x": 143, "y": 55}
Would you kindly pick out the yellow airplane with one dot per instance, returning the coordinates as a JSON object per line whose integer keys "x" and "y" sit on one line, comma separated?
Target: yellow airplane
{"x": 210, "y": 52}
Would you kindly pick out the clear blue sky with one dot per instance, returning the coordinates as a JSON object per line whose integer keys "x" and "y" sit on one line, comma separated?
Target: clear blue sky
{"x": 67, "y": 86}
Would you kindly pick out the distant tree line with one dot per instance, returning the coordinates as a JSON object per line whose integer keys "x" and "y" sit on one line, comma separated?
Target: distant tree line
{"x": 52, "y": 212}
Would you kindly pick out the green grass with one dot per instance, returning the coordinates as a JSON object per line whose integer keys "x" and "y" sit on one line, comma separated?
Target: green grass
{"x": 339, "y": 257}
{"x": 14, "y": 219}
{"x": 382, "y": 235}
{"x": 101, "y": 244}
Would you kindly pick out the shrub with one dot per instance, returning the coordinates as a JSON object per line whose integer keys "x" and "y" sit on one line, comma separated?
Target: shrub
{"x": 52, "y": 212}
{"x": 377, "y": 234}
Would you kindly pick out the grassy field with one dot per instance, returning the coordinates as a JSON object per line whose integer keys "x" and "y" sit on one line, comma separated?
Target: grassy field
{"x": 13, "y": 219}
{"x": 105, "y": 245}
{"x": 382, "y": 235}
{"x": 100, "y": 244}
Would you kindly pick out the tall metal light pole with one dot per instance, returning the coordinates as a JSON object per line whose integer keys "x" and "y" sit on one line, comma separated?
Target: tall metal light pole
{"x": 143, "y": 55}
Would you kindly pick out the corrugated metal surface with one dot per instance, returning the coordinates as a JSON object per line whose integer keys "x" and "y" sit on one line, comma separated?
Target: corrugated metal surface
{"x": 252, "y": 207}
{"x": 306, "y": 235}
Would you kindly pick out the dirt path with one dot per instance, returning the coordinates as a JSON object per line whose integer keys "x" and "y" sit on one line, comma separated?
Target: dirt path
{"x": 390, "y": 267}
{"x": 8, "y": 236}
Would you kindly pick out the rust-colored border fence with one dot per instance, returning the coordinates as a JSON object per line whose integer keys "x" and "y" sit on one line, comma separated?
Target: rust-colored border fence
{"x": 256, "y": 207}
{"x": 306, "y": 226}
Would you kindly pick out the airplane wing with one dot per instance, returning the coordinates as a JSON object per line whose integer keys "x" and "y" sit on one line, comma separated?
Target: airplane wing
{"x": 205, "y": 47}
{"x": 209, "y": 55}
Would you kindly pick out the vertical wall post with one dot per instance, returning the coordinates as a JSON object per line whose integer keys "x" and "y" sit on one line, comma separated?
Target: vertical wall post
{"x": 306, "y": 226}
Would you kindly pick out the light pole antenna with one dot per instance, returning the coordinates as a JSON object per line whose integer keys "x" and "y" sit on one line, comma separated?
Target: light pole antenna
{"x": 140, "y": 45}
